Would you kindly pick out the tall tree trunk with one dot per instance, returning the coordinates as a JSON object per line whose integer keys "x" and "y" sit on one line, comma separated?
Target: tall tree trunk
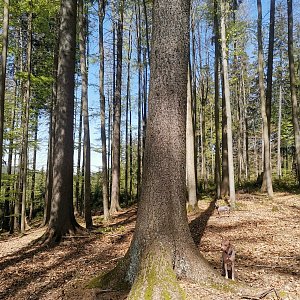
{"x": 139, "y": 62}
{"x": 227, "y": 104}
{"x": 279, "y": 171}
{"x": 295, "y": 114}
{"x": 162, "y": 243}
{"x": 5, "y": 25}
{"x": 217, "y": 109}
{"x": 5, "y": 222}
{"x": 62, "y": 219}
{"x": 225, "y": 173}
{"x": 190, "y": 149}
{"x": 128, "y": 96}
{"x": 85, "y": 115}
{"x": 101, "y": 15}
{"x": 266, "y": 142}
{"x": 116, "y": 141}
{"x": 78, "y": 167}
{"x": 25, "y": 124}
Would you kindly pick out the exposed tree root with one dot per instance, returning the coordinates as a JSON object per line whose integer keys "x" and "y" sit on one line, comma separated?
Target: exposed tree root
{"x": 53, "y": 236}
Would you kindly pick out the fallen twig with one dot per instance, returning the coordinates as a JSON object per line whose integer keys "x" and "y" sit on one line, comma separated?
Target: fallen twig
{"x": 262, "y": 295}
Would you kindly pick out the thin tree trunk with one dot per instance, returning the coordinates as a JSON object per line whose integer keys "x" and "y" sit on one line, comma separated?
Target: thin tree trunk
{"x": 139, "y": 62}
{"x": 279, "y": 171}
{"x": 116, "y": 141}
{"x": 228, "y": 106}
{"x": 266, "y": 142}
{"x": 101, "y": 15}
{"x": 25, "y": 123}
{"x": 295, "y": 114}
{"x": 78, "y": 167}
{"x": 190, "y": 149}
{"x": 128, "y": 95}
{"x": 217, "y": 110}
{"x": 5, "y": 26}
{"x": 85, "y": 115}
{"x": 32, "y": 194}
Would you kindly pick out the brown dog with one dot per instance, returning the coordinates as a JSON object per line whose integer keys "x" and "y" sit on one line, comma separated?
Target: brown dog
{"x": 228, "y": 258}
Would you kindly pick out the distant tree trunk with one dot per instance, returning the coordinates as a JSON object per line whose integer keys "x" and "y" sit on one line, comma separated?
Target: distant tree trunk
{"x": 62, "y": 219}
{"x": 227, "y": 105}
{"x": 147, "y": 29}
{"x": 270, "y": 65}
{"x": 8, "y": 205}
{"x": 5, "y": 222}
{"x": 101, "y": 15}
{"x": 25, "y": 124}
{"x": 217, "y": 113}
{"x": 128, "y": 95}
{"x": 139, "y": 62}
{"x": 295, "y": 113}
{"x": 5, "y": 25}
{"x": 116, "y": 141}
{"x": 266, "y": 141}
{"x": 279, "y": 171}
{"x": 32, "y": 194}
{"x": 85, "y": 113}
{"x": 52, "y": 117}
{"x": 190, "y": 149}
{"x": 225, "y": 173}
{"x": 78, "y": 167}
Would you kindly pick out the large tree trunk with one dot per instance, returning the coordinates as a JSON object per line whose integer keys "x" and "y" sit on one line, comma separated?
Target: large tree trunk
{"x": 85, "y": 115}
{"x": 101, "y": 14}
{"x": 293, "y": 87}
{"x": 227, "y": 104}
{"x": 266, "y": 141}
{"x": 162, "y": 246}
{"x": 62, "y": 219}
{"x": 116, "y": 141}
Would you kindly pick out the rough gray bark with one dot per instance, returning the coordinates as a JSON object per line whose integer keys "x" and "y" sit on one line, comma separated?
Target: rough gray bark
{"x": 295, "y": 109}
{"x": 227, "y": 104}
{"x": 85, "y": 115}
{"x": 62, "y": 219}
{"x": 266, "y": 140}
{"x": 116, "y": 140}
{"x": 101, "y": 15}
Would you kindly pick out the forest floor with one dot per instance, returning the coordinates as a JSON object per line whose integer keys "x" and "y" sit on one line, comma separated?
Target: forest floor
{"x": 265, "y": 234}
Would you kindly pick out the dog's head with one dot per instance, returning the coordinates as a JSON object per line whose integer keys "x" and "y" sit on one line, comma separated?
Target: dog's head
{"x": 225, "y": 245}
